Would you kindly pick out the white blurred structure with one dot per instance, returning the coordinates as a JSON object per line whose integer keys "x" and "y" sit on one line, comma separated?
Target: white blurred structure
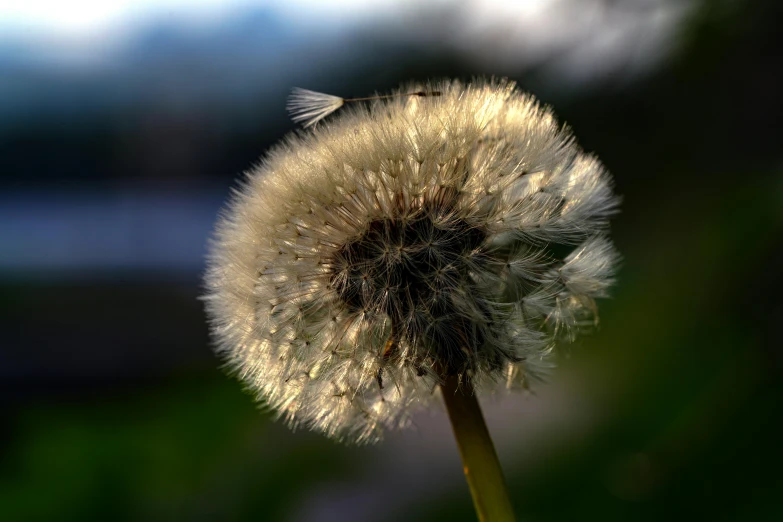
{"x": 576, "y": 39}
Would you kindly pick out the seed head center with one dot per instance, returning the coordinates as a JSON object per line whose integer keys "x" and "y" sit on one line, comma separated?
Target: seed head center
{"x": 414, "y": 286}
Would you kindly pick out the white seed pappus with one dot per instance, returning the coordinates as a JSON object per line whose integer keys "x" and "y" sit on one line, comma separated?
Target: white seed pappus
{"x": 402, "y": 241}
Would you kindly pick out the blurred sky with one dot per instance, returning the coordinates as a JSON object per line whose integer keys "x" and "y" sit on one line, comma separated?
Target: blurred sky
{"x": 89, "y": 33}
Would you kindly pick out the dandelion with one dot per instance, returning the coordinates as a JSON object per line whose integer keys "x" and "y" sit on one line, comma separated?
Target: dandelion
{"x": 414, "y": 246}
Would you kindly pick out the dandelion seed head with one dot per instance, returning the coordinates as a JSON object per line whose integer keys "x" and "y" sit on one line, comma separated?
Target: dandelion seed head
{"x": 409, "y": 240}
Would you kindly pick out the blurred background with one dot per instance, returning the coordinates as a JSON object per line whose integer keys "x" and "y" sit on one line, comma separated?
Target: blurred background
{"x": 123, "y": 126}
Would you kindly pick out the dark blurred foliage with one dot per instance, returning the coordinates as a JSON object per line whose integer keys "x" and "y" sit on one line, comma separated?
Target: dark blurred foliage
{"x": 115, "y": 408}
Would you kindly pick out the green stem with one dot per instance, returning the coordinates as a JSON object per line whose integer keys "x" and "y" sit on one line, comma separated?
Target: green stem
{"x": 479, "y": 460}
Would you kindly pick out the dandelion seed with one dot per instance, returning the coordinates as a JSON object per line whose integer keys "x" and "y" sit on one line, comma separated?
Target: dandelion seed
{"x": 446, "y": 233}
{"x": 310, "y": 107}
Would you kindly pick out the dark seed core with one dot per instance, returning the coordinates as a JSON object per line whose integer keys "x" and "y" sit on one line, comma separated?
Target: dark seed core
{"x": 410, "y": 268}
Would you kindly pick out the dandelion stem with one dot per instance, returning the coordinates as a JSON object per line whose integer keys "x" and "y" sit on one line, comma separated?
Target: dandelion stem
{"x": 479, "y": 459}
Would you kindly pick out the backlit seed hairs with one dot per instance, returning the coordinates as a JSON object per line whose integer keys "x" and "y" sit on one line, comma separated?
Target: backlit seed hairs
{"x": 405, "y": 240}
